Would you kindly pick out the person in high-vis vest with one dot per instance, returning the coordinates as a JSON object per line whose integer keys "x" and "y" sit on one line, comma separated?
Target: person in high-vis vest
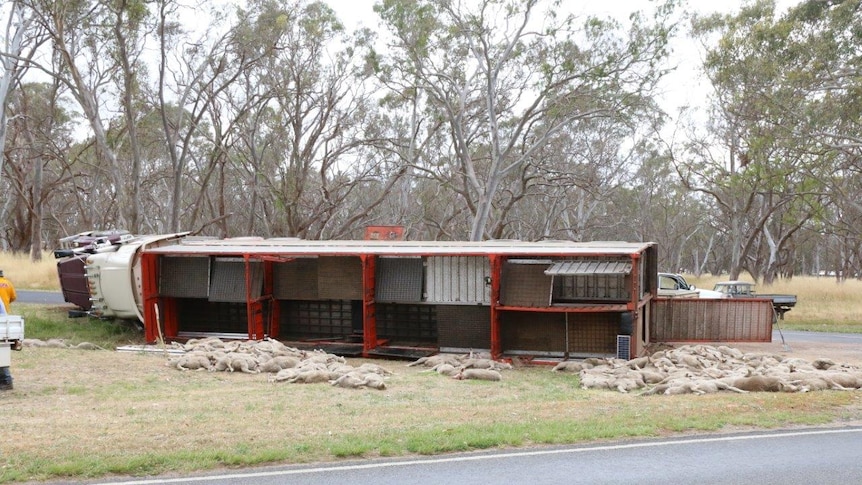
{"x": 7, "y": 296}
{"x": 7, "y": 292}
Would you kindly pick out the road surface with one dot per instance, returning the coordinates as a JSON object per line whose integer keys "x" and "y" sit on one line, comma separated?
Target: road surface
{"x": 46, "y": 297}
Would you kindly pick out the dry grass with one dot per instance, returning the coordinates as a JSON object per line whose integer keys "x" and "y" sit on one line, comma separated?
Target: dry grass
{"x": 28, "y": 275}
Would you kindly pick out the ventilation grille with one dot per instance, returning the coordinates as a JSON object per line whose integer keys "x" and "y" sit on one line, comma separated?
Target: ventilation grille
{"x": 399, "y": 280}
{"x": 182, "y": 277}
{"x": 228, "y": 280}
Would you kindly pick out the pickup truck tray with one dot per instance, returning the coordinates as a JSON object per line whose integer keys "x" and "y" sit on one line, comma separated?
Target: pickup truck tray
{"x": 11, "y": 328}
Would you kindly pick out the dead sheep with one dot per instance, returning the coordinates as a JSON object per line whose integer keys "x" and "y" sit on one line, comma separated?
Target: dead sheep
{"x": 482, "y": 363}
{"x": 191, "y": 361}
{"x": 822, "y": 364}
{"x": 571, "y": 366}
{"x": 348, "y": 381}
{"x": 374, "y": 381}
{"x": 310, "y": 377}
{"x": 369, "y": 367}
{"x": 479, "y": 374}
{"x": 285, "y": 375}
{"x": 278, "y": 363}
{"x": 760, "y": 384}
{"x": 86, "y": 346}
{"x": 445, "y": 369}
{"x": 651, "y": 376}
{"x": 638, "y": 363}
{"x": 236, "y": 361}
{"x": 848, "y": 380}
{"x": 434, "y": 360}
{"x": 322, "y": 357}
{"x": 339, "y": 368}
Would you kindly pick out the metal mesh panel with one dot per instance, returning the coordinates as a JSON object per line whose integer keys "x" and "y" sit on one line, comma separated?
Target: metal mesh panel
{"x": 525, "y": 285}
{"x": 228, "y": 280}
{"x": 593, "y": 333}
{"x": 545, "y": 333}
{"x": 399, "y": 280}
{"x": 295, "y": 280}
{"x": 464, "y": 326}
{"x": 315, "y": 319}
{"x": 339, "y": 278}
{"x": 184, "y": 277}
{"x": 407, "y": 324}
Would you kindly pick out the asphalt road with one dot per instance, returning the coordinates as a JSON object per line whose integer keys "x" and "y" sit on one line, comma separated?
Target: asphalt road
{"x": 46, "y": 297}
{"x": 824, "y": 456}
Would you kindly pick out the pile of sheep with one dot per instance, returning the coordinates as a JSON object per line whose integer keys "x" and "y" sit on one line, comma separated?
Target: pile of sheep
{"x": 58, "y": 343}
{"x": 468, "y": 366}
{"x": 702, "y": 369}
{"x": 287, "y": 364}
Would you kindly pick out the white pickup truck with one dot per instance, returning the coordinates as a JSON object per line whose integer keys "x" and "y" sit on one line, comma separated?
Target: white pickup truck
{"x": 11, "y": 338}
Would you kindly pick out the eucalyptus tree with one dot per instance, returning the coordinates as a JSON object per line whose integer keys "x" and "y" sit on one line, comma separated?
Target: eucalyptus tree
{"x": 21, "y": 41}
{"x": 98, "y": 44}
{"x": 754, "y": 163}
{"x": 314, "y": 132}
{"x": 827, "y": 50}
{"x": 38, "y": 168}
{"x": 579, "y": 178}
{"x": 505, "y": 80}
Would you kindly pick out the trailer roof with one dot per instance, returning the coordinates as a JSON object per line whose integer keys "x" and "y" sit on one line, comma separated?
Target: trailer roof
{"x": 291, "y": 246}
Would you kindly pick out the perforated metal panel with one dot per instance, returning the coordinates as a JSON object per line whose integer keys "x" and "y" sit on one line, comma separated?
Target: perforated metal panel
{"x": 184, "y": 277}
{"x": 228, "y": 280}
{"x": 295, "y": 280}
{"x": 399, "y": 280}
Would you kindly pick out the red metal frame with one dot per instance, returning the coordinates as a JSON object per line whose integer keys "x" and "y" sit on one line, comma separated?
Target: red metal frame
{"x": 150, "y": 290}
{"x": 369, "y": 317}
{"x": 496, "y": 270}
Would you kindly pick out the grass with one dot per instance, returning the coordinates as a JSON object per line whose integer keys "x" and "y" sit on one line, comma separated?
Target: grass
{"x": 28, "y": 275}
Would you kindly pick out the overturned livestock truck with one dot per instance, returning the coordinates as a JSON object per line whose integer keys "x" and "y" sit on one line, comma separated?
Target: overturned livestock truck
{"x": 405, "y": 298}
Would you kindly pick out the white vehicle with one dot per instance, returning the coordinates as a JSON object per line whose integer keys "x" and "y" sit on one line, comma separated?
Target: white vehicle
{"x": 673, "y": 281}
{"x": 11, "y": 337}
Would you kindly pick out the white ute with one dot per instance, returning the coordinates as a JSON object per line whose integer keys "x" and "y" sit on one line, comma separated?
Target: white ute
{"x": 11, "y": 337}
